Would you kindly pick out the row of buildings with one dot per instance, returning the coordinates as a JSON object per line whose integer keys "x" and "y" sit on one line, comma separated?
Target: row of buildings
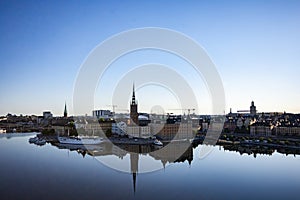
{"x": 139, "y": 125}
{"x": 263, "y": 124}
{"x": 142, "y": 125}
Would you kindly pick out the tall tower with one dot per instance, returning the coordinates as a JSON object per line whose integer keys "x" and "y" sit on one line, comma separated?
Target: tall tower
{"x": 134, "y": 116}
{"x": 65, "y": 111}
{"x": 252, "y": 109}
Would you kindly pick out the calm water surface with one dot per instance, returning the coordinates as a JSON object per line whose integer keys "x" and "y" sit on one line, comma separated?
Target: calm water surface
{"x": 28, "y": 171}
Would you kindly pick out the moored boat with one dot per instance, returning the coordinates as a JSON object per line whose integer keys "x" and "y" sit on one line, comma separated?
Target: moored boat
{"x": 157, "y": 142}
{"x": 2, "y": 130}
{"x": 79, "y": 141}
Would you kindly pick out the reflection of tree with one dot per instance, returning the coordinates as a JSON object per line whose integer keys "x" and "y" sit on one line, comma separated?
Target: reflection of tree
{"x": 264, "y": 150}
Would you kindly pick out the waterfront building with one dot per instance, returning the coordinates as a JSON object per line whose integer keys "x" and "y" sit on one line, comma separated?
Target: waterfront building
{"x": 144, "y": 132}
{"x": 139, "y": 131}
{"x": 261, "y": 129}
{"x": 119, "y": 128}
{"x": 287, "y": 130}
{"x": 95, "y": 127}
{"x": 138, "y": 125}
{"x": 173, "y": 130}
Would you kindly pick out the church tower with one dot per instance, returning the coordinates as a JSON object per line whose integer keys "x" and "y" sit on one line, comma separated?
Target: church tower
{"x": 65, "y": 111}
{"x": 134, "y": 116}
{"x": 252, "y": 109}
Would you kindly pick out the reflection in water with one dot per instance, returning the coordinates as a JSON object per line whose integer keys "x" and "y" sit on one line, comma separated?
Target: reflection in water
{"x": 49, "y": 172}
{"x": 262, "y": 150}
{"x": 171, "y": 153}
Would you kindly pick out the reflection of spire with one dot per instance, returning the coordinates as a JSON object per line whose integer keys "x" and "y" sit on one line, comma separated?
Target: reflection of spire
{"x": 164, "y": 163}
{"x": 134, "y": 159}
{"x": 134, "y": 181}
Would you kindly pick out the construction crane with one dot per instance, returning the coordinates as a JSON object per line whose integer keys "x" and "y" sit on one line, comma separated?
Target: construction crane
{"x": 113, "y": 108}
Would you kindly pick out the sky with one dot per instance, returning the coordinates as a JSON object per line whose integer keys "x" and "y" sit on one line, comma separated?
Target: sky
{"x": 254, "y": 45}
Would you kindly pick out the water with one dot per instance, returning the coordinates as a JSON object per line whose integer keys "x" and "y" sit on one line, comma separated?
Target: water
{"x": 28, "y": 171}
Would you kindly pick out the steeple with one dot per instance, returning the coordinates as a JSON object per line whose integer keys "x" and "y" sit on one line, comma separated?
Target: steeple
{"x": 134, "y": 115}
{"x": 133, "y": 95}
{"x": 65, "y": 111}
{"x": 252, "y": 109}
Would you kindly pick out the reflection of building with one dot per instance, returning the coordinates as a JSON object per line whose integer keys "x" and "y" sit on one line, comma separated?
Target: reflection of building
{"x": 172, "y": 153}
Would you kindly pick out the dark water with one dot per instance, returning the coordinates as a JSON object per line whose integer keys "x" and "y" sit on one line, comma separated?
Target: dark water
{"x": 28, "y": 171}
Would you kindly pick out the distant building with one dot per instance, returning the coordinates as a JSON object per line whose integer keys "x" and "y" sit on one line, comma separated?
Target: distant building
{"x": 261, "y": 129}
{"x": 139, "y": 131}
{"x": 104, "y": 114}
{"x": 174, "y": 129}
{"x": 119, "y": 128}
{"x": 47, "y": 115}
{"x": 252, "y": 109}
{"x": 133, "y": 131}
{"x": 287, "y": 131}
{"x": 138, "y": 125}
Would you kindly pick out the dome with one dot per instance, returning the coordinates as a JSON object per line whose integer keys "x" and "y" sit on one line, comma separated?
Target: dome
{"x": 142, "y": 117}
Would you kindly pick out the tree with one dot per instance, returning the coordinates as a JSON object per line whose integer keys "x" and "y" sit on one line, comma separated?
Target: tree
{"x": 108, "y": 133}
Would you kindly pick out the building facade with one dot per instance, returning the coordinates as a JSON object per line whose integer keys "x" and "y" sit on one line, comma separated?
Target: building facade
{"x": 104, "y": 114}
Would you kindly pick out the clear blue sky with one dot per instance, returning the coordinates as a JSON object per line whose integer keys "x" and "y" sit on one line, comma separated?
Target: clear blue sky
{"x": 254, "y": 44}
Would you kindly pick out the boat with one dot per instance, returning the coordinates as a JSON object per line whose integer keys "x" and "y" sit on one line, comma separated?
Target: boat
{"x": 2, "y": 130}
{"x": 80, "y": 141}
{"x": 157, "y": 142}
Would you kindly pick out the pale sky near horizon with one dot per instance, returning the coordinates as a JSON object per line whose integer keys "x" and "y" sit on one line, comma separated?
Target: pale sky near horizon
{"x": 255, "y": 46}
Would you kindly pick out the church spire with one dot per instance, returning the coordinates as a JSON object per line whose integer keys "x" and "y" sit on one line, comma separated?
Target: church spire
{"x": 133, "y": 95}
{"x": 65, "y": 111}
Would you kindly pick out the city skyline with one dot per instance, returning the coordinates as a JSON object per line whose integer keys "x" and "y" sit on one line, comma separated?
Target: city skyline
{"x": 254, "y": 46}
